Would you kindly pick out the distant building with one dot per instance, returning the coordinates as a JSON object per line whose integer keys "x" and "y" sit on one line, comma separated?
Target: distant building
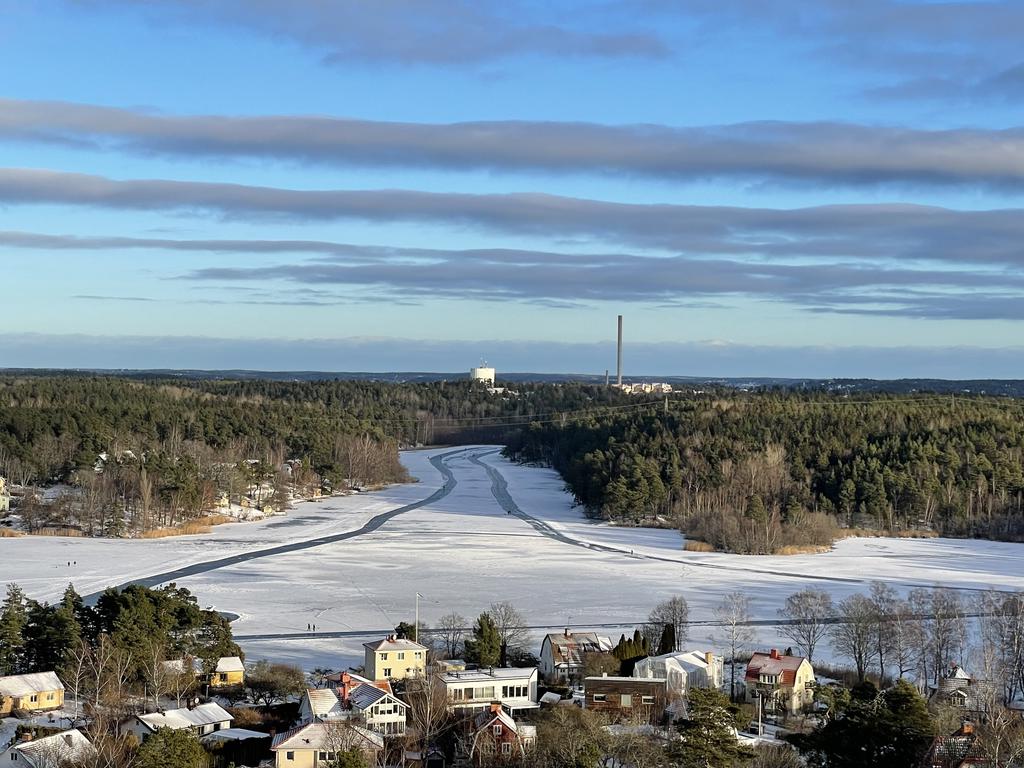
{"x": 36, "y": 692}
{"x": 783, "y": 683}
{"x": 67, "y": 748}
{"x": 627, "y": 698}
{"x": 495, "y": 737}
{"x": 683, "y": 671}
{"x": 394, "y": 658}
{"x": 483, "y": 374}
{"x": 476, "y": 689}
{"x": 201, "y": 720}
{"x": 229, "y": 671}
{"x": 562, "y": 653}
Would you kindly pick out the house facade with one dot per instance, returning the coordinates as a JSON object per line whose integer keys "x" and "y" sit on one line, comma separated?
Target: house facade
{"x": 495, "y": 737}
{"x": 782, "y": 683}
{"x": 682, "y": 671}
{"x": 316, "y": 745}
{"x": 37, "y": 692}
{"x": 230, "y": 671}
{"x": 377, "y": 709}
{"x": 562, "y": 654}
{"x": 636, "y": 699}
{"x": 394, "y": 658}
{"x": 475, "y": 690}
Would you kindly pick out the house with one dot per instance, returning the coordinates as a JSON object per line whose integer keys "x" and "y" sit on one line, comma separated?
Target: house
{"x": 783, "y": 683}
{"x": 473, "y": 690}
{"x": 562, "y": 654}
{"x": 378, "y": 709}
{"x": 394, "y": 658}
{"x": 201, "y": 720}
{"x": 345, "y": 682}
{"x": 315, "y": 745}
{"x": 229, "y": 671}
{"x": 958, "y": 750}
{"x": 627, "y": 698}
{"x": 682, "y": 671}
{"x": 495, "y": 737}
{"x": 50, "y": 751}
{"x": 959, "y": 690}
{"x": 38, "y": 692}
{"x": 5, "y": 496}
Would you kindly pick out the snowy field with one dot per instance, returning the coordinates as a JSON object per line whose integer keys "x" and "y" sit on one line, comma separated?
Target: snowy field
{"x": 464, "y": 551}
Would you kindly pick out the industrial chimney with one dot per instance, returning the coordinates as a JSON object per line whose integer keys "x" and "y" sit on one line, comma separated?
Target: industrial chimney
{"x": 618, "y": 359}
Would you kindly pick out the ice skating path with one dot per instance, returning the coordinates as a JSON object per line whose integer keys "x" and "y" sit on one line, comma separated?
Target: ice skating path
{"x": 374, "y": 523}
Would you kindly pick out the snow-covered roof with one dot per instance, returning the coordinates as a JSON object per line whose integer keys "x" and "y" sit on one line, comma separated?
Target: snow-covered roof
{"x": 395, "y": 644}
{"x": 366, "y": 695}
{"x": 323, "y": 702}
{"x": 177, "y": 666}
{"x": 55, "y": 750}
{"x": 569, "y": 648}
{"x": 328, "y": 736}
{"x": 179, "y": 719}
{"x": 16, "y": 686}
{"x": 550, "y": 698}
{"x": 230, "y": 664}
{"x": 233, "y": 734}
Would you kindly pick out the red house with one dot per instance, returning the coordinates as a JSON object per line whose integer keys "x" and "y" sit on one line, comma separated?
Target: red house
{"x": 495, "y": 736}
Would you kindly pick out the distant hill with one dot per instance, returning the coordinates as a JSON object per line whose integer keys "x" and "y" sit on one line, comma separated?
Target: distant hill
{"x": 997, "y": 387}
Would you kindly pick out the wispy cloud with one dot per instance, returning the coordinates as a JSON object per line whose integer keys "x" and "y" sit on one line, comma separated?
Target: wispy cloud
{"x": 825, "y": 154}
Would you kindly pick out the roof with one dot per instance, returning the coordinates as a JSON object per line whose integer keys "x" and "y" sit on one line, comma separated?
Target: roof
{"x": 623, "y": 679}
{"x": 16, "y": 686}
{"x": 766, "y": 664}
{"x": 365, "y": 695}
{"x": 395, "y": 644}
{"x": 54, "y": 750}
{"x": 179, "y": 719}
{"x": 550, "y": 698}
{"x": 328, "y": 736}
{"x": 569, "y": 648}
{"x": 177, "y": 666}
{"x": 491, "y": 673}
{"x": 233, "y": 734}
{"x": 487, "y": 717}
{"x": 324, "y": 702}
{"x": 230, "y": 664}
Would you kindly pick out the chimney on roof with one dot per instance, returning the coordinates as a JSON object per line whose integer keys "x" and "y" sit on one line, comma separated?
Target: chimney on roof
{"x": 566, "y": 631}
{"x": 26, "y": 737}
{"x": 967, "y": 728}
{"x": 709, "y": 658}
{"x": 775, "y": 653}
{"x": 69, "y": 740}
{"x": 604, "y": 674}
{"x": 495, "y": 707}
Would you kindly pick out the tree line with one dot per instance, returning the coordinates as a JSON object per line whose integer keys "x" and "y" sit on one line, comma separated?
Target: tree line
{"x": 755, "y": 472}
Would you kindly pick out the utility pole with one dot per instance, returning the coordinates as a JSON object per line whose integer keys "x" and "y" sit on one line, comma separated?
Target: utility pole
{"x": 416, "y": 626}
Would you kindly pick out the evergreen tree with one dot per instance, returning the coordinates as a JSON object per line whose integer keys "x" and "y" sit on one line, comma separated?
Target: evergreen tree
{"x": 667, "y": 644}
{"x": 50, "y": 635}
{"x": 484, "y": 647}
{"x": 349, "y": 758}
{"x": 708, "y": 733}
{"x": 168, "y": 748}
{"x": 12, "y": 632}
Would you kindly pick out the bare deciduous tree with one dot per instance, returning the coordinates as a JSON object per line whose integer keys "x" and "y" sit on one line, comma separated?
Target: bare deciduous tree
{"x": 511, "y": 627}
{"x": 451, "y": 628}
{"x": 676, "y": 612}
{"x": 853, "y": 635}
{"x": 806, "y": 614}
{"x": 733, "y": 613}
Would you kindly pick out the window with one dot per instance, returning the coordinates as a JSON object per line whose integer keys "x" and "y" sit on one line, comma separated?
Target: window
{"x": 401, "y": 656}
{"x": 600, "y": 697}
{"x": 34, "y": 698}
{"x": 323, "y": 756}
{"x": 515, "y": 691}
{"x": 289, "y": 755}
{"x": 647, "y": 699}
{"x": 49, "y": 697}
{"x": 387, "y": 671}
{"x": 496, "y": 730}
{"x": 383, "y": 657}
{"x": 419, "y": 654}
{"x": 625, "y": 700}
{"x": 506, "y": 748}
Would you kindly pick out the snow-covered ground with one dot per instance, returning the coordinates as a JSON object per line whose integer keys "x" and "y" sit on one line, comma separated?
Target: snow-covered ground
{"x": 464, "y": 551}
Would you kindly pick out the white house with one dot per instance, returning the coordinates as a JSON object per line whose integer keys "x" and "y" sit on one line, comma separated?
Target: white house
{"x": 562, "y": 653}
{"x": 48, "y": 752}
{"x": 380, "y": 710}
{"x": 201, "y": 720}
{"x": 682, "y": 671}
{"x": 477, "y": 689}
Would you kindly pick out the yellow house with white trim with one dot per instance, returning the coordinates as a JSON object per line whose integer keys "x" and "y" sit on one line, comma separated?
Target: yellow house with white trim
{"x": 394, "y": 658}
{"x": 37, "y": 692}
{"x": 229, "y": 671}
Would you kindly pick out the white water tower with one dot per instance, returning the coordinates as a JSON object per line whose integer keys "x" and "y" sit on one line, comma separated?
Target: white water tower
{"x": 482, "y": 373}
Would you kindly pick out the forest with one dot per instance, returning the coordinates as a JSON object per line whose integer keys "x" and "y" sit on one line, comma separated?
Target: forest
{"x": 760, "y": 472}
{"x": 155, "y": 453}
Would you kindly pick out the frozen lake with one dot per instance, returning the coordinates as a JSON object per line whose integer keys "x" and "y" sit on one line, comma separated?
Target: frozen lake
{"x": 463, "y": 551}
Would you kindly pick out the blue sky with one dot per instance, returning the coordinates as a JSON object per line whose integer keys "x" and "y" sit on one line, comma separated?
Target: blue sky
{"x": 762, "y": 187}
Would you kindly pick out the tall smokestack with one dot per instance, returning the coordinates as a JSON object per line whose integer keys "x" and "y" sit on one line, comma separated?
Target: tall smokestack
{"x": 618, "y": 360}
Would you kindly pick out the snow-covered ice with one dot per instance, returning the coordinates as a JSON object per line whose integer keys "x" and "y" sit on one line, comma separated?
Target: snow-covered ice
{"x": 464, "y": 552}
